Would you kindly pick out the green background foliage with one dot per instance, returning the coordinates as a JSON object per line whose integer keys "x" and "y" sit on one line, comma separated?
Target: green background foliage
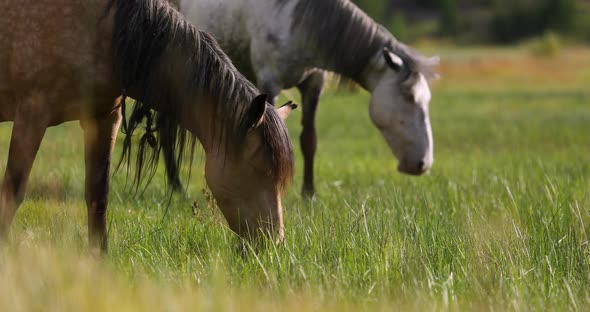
{"x": 485, "y": 21}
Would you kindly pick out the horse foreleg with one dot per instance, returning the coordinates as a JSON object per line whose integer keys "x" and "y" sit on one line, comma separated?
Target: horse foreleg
{"x": 311, "y": 89}
{"x": 27, "y": 133}
{"x": 99, "y": 140}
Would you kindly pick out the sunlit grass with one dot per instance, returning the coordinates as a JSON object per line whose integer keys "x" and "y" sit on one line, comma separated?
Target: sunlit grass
{"x": 500, "y": 223}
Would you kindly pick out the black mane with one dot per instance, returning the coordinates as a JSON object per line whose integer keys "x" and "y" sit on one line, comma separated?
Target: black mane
{"x": 346, "y": 38}
{"x": 168, "y": 64}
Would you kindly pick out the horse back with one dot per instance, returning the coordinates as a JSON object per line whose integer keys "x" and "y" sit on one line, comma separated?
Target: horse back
{"x": 59, "y": 49}
{"x": 256, "y": 34}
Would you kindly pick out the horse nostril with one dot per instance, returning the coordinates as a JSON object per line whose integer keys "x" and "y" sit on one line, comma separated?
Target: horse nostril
{"x": 421, "y": 165}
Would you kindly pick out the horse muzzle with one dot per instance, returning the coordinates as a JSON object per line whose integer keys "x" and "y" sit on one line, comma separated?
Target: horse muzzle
{"x": 415, "y": 168}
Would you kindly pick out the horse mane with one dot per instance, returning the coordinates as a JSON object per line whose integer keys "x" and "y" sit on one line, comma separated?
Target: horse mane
{"x": 168, "y": 61}
{"x": 349, "y": 38}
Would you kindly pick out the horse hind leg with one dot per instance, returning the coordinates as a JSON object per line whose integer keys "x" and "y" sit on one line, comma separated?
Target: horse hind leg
{"x": 311, "y": 89}
{"x": 99, "y": 141}
{"x": 27, "y": 133}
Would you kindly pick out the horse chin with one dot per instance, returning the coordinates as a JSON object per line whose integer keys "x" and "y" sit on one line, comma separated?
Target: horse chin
{"x": 415, "y": 170}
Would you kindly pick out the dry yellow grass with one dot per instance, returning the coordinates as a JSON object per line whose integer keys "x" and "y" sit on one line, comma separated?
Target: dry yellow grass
{"x": 496, "y": 70}
{"x": 52, "y": 279}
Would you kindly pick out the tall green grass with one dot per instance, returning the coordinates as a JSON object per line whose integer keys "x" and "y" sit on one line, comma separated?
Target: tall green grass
{"x": 500, "y": 223}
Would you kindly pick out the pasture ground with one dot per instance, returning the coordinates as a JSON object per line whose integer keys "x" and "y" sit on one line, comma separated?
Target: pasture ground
{"x": 501, "y": 223}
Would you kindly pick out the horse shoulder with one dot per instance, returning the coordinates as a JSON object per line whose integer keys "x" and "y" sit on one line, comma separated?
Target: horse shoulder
{"x": 66, "y": 66}
{"x": 276, "y": 55}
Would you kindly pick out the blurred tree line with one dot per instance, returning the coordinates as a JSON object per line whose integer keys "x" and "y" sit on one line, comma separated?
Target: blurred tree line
{"x": 477, "y": 21}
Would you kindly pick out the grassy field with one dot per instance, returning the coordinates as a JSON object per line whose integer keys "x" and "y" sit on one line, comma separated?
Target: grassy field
{"x": 501, "y": 223}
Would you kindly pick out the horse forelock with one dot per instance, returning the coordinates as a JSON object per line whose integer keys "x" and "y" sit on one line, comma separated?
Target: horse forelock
{"x": 276, "y": 139}
{"x": 145, "y": 30}
{"x": 414, "y": 61}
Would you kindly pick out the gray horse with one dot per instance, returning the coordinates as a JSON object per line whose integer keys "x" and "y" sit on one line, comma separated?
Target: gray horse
{"x": 281, "y": 44}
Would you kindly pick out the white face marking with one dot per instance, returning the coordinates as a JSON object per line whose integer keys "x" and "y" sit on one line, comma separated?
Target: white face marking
{"x": 400, "y": 111}
{"x": 421, "y": 91}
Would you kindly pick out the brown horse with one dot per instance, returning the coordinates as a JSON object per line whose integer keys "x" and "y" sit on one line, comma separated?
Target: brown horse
{"x": 70, "y": 60}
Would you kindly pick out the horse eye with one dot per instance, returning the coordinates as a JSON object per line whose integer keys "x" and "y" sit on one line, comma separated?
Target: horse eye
{"x": 380, "y": 127}
{"x": 410, "y": 98}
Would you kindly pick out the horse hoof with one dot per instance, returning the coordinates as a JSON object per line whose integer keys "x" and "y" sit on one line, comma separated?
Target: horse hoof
{"x": 308, "y": 193}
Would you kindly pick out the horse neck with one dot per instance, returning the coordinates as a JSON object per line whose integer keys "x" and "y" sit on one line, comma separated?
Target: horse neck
{"x": 162, "y": 93}
{"x": 350, "y": 50}
{"x": 171, "y": 90}
{"x": 213, "y": 125}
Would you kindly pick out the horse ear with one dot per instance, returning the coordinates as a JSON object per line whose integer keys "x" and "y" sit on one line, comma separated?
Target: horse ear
{"x": 256, "y": 114}
{"x": 285, "y": 110}
{"x": 394, "y": 61}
